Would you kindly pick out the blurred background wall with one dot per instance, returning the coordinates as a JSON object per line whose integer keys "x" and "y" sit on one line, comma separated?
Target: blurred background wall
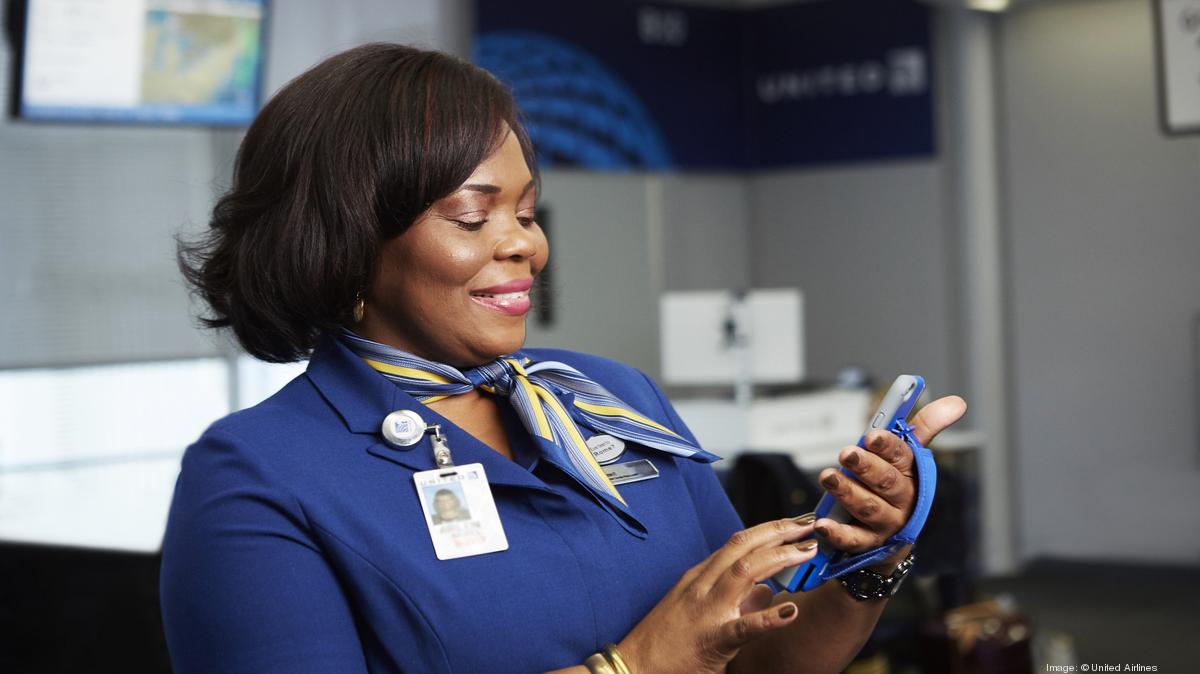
{"x": 1101, "y": 225}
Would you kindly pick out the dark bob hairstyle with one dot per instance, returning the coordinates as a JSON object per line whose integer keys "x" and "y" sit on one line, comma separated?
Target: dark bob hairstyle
{"x": 343, "y": 158}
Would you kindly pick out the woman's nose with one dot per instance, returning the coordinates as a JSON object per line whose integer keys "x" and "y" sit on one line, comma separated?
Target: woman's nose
{"x": 517, "y": 241}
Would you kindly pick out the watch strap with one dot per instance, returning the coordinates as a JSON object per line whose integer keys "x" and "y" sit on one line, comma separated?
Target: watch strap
{"x": 883, "y": 587}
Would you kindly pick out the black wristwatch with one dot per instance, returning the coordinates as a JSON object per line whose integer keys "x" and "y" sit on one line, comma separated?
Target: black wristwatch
{"x": 865, "y": 584}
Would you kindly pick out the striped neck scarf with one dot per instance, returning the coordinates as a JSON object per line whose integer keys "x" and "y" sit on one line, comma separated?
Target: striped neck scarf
{"x": 556, "y": 403}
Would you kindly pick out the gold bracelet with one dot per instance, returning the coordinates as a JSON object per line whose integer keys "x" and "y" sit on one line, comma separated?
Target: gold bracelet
{"x": 598, "y": 664}
{"x": 615, "y": 659}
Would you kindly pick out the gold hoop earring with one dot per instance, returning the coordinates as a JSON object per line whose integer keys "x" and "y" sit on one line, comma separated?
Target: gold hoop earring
{"x": 360, "y": 308}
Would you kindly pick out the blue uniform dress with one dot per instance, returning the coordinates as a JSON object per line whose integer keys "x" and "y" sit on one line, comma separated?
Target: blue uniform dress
{"x": 296, "y": 542}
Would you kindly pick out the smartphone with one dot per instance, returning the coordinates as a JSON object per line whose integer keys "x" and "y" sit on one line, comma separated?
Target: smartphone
{"x": 896, "y": 405}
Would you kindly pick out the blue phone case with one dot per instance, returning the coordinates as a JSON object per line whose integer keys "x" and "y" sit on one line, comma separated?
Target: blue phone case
{"x": 813, "y": 573}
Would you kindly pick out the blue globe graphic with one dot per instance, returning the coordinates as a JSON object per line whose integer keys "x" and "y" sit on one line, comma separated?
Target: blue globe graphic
{"x": 576, "y": 110}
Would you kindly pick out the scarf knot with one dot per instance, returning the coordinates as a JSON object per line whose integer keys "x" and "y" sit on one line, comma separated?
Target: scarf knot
{"x": 497, "y": 376}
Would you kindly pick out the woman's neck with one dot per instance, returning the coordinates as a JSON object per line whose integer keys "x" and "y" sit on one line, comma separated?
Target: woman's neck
{"x": 477, "y": 413}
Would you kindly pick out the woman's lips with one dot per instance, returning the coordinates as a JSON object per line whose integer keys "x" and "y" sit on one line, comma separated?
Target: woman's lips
{"x": 514, "y": 286}
{"x": 512, "y": 304}
{"x": 511, "y": 298}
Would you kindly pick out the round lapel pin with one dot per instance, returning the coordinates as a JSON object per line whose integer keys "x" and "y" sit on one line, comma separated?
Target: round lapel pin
{"x": 403, "y": 428}
{"x": 605, "y": 448}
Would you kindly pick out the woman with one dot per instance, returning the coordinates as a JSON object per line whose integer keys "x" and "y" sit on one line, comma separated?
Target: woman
{"x": 448, "y": 508}
{"x": 382, "y": 223}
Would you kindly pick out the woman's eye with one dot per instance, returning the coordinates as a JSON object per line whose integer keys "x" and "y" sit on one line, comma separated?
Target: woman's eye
{"x": 527, "y": 220}
{"x": 470, "y": 225}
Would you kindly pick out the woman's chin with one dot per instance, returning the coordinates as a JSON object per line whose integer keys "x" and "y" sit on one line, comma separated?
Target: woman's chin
{"x": 511, "y": 345}
{"x": 496, "y": 346}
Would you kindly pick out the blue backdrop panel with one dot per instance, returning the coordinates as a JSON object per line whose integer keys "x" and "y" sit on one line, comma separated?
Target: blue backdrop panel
{"x": 617, "y": 84}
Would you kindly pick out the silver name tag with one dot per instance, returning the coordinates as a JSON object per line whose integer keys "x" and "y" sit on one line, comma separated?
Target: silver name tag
{"x": 631, "y": 471}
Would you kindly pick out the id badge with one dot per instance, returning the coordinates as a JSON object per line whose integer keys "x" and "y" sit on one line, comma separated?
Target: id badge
{"x": 460, "y": 512}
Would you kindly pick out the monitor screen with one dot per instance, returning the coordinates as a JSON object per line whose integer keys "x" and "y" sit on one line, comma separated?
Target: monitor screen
{"x": 140, "y": 61}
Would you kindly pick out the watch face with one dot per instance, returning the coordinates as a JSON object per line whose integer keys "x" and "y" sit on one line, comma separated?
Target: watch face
{"x": 869, "y": 583}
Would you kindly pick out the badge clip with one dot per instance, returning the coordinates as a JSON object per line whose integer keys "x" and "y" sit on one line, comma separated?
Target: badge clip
{"x": 441, "y": 449}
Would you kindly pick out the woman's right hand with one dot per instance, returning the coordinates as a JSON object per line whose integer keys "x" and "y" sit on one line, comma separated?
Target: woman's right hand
{"x": 719, "y": 605}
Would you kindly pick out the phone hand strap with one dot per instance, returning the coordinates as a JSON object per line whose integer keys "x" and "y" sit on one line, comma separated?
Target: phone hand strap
{"x": 926, "y": 477}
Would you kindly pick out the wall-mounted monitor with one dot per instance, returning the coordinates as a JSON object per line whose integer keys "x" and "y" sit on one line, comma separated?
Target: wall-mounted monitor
{"x": 1178, "y": 27}
{"x": 194, "y": 62}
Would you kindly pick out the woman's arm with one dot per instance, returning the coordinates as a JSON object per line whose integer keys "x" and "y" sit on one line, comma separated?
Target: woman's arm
{"x": 244, "y": 589}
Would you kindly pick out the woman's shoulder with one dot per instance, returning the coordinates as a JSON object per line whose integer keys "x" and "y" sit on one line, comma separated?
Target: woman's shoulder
{"x": 282, "y": 426}
{"x": 292, "y": 400}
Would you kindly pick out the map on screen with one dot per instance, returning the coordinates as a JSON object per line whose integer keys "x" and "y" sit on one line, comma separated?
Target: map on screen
{"x": 158, "y": 61}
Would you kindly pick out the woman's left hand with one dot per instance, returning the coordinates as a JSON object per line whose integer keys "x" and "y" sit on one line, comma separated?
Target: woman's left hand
{"x": 882, "y": 497}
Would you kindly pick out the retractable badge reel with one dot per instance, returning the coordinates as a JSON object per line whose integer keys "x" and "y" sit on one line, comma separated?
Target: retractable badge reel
{"x": 456, "y": 501}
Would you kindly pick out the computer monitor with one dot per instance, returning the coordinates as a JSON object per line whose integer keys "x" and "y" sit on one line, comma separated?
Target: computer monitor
{"x": 190, "y": 62}
{"x": 724, "y": 337}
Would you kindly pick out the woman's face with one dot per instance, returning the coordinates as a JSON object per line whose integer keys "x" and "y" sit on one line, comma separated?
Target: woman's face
{"x": 454, "y": 287}
{"x": 446, "y": 506}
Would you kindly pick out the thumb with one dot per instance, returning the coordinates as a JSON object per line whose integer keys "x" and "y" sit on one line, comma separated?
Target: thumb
{"x": 937, "y": 416}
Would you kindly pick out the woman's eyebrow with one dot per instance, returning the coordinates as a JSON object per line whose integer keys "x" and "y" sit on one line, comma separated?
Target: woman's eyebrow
{"x": 493, "y": 189}
{"x": 477, "y": 187}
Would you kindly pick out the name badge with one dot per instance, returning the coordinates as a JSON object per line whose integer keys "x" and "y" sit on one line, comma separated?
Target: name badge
{"x": 631, "y": 471}
{"x": 460, "y": 512}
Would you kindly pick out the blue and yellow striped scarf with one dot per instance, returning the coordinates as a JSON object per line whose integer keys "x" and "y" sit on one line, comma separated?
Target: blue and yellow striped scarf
{"x": 554, "y": 401}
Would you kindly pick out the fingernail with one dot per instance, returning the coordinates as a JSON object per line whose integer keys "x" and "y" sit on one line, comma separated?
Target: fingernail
{"x": 830, "y": 481}
{"x": 823, "y": 530}
{"x": 787, "y": 611}
{"x": 805, "y": 519}
{"x": 851, "y": 459}
{"x": 806, "y": 546}
{"x": 877, "y": 442}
